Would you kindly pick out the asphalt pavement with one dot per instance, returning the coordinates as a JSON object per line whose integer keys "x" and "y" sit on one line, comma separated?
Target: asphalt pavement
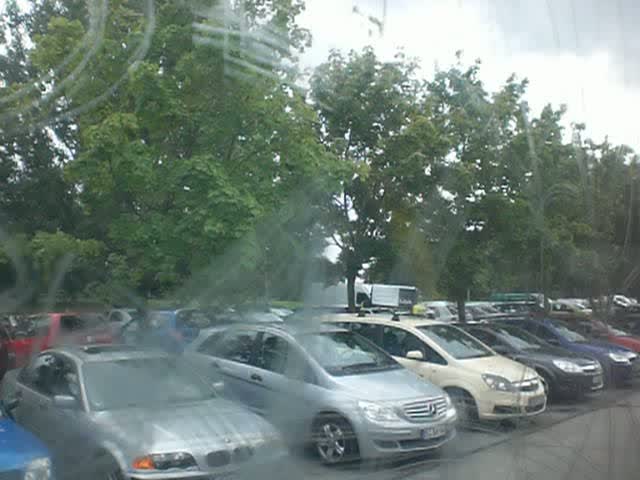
{"x": 597, "y": 438}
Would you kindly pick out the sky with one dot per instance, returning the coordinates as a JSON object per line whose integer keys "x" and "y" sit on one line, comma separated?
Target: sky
{"x": 581, "y": 53}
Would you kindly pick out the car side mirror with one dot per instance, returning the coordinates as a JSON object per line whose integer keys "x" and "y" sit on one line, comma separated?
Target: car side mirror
{"x": 414, "y": 355}
{"x": 65, "y": 402}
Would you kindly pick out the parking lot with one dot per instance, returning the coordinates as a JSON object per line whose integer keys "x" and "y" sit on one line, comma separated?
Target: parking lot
{"x": 571, "y": 439}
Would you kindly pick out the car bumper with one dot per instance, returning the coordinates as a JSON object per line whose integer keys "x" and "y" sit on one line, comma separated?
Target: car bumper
{"x": 623, "y": 374}
{"x": 503, "y": 405}
{"x": 566, "y": 383}
{"x": 377, "y": 442}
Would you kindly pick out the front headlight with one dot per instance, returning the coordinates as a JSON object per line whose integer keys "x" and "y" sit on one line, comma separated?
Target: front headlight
{"x": 164, "y": 461}
{"x": 377, "y": 413}
{"x": 619, "y": 357}
{"x": 496, "y": 382}
{"x": 567, "y": 366}
{"x": 38, "y": 469}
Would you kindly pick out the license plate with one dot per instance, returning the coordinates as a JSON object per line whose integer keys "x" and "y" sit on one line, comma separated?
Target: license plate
{"x": 433, "y": 432}
{"x": 597, "y": 380}
{"x": 535, "y": 401}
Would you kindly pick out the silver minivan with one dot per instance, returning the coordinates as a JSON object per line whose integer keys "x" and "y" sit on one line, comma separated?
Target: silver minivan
{"x": 329, "y": 387}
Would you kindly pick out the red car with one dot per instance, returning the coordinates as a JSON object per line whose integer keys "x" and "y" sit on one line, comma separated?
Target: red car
{"x": 614, "y": 335}
{"x": 39, "y": 332}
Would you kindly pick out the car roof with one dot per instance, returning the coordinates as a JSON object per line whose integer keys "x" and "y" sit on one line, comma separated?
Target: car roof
{"x": 107, "y": 352}
{"x": 386, "y": 320}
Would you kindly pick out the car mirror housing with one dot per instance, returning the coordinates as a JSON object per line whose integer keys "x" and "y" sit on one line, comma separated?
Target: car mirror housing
{"x": 415, "y": 355}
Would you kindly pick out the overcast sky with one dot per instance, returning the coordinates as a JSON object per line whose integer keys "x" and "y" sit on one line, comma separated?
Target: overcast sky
{"x": 583, "y": 53}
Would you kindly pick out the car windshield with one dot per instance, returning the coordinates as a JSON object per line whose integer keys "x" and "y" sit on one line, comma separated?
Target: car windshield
{"x": 518, "y": 338}
{"x": 568, "y": 334}
{"x": 129, "y": 383}
{"x": 454, "y": 341}
{"x": 345, "y": 353}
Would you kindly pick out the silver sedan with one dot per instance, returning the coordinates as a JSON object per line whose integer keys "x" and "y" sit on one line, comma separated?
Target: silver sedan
{"x": 115, "y": 412}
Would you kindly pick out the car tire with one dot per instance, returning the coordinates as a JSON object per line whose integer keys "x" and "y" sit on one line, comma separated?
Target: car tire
{"x": 334, "y": 439}
{"x": 465, "y": 405}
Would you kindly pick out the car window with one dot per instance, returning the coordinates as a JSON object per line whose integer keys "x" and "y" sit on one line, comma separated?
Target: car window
{"x": 370, "y": 331}
{"x": 519, "y": 338}
{"x": 398, "y": 342}
{"x": 542, "y": 331}
{"x": 457, "y": 343}
{"x": 568, "y": 333}
{"x": 236, "y": 346}
{"x": 71, "y": 323}
{"x": 345, "y": 353}
{"x": 142, "y": 382}
{"x": 51, "y": 374}
{"x": 485, "y": 337}
{"x": 272, "y": 353}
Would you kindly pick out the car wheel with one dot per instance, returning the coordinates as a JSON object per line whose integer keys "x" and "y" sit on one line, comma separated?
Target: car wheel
{"x": 334, "y": 439}
{"x": 465, "y": 405}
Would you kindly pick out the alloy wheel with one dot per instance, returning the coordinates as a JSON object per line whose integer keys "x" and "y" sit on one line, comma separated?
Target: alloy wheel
{"x": 331, "y": 442}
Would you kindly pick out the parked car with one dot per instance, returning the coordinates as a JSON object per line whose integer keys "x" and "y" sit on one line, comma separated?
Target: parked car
{"x": 600, "y": 331}
{"x": 562, "y": 371}
{"x": 482, "y": 384}
{"x": 118, "y": 317}
{"x": 442, "y": 310}
{"x": 167, "y": 329}
{"x": 329, "y": 387}
{"x": 22, "y": 455}
{"x": 619, "y": 364}
{"x": 479, "y": 311}
{"x": 569, "y": 310}
{"x": 39, "y": 332}
{"x": 135, "y": 414}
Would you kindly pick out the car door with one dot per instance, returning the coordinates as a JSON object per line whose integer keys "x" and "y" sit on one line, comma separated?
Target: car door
{"x": 65, "y": 429}
{"x": 398, "y": 342}
{"x": 231, "y": 354}
{"x": 288, "y": 384}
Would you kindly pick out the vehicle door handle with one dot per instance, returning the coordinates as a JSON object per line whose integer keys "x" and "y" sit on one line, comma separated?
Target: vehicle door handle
{"x": 256, "y": 377}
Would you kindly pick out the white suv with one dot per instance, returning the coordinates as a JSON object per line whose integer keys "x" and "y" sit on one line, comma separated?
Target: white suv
{"x": 482, "y": 384}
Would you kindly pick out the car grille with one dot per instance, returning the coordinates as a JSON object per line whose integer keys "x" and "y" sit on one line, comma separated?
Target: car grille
{"x": 11, "y": 475}
{"x": 427, "y": 409}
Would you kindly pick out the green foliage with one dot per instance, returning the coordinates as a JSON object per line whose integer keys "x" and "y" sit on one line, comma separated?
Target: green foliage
{"x": 180, "y": 158}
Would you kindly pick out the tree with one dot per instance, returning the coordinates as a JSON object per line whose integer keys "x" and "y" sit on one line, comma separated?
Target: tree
{"x": 363, "y": 104}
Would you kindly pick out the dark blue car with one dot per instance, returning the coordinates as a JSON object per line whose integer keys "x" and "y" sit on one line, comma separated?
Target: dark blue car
{"x": 620, "y": 364}
{"x": 21, "y": 454}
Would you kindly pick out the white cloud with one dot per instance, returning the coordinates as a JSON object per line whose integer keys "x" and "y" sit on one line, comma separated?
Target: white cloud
{"x": 434, "y": 30}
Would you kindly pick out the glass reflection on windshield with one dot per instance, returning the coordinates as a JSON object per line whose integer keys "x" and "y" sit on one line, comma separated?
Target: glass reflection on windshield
{"x": 345, "y": 353}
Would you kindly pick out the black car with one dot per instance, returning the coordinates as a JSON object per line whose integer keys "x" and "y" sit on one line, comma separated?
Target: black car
{"x": 564, "y": 373}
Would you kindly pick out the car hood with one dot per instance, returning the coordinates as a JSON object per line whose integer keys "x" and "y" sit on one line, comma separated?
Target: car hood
{"x": 596, "y": 347}
{"x": 548, "y": 354}
{"x": 17, "y": 446}
{"x": 197, "y": 427}
{"x": 499, "y": 365}
{"x": 388, "y": 385}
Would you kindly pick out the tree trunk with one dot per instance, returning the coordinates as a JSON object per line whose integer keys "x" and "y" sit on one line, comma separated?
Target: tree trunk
{"x": 351, "y": 292}
{"x": 461, "y": 313}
